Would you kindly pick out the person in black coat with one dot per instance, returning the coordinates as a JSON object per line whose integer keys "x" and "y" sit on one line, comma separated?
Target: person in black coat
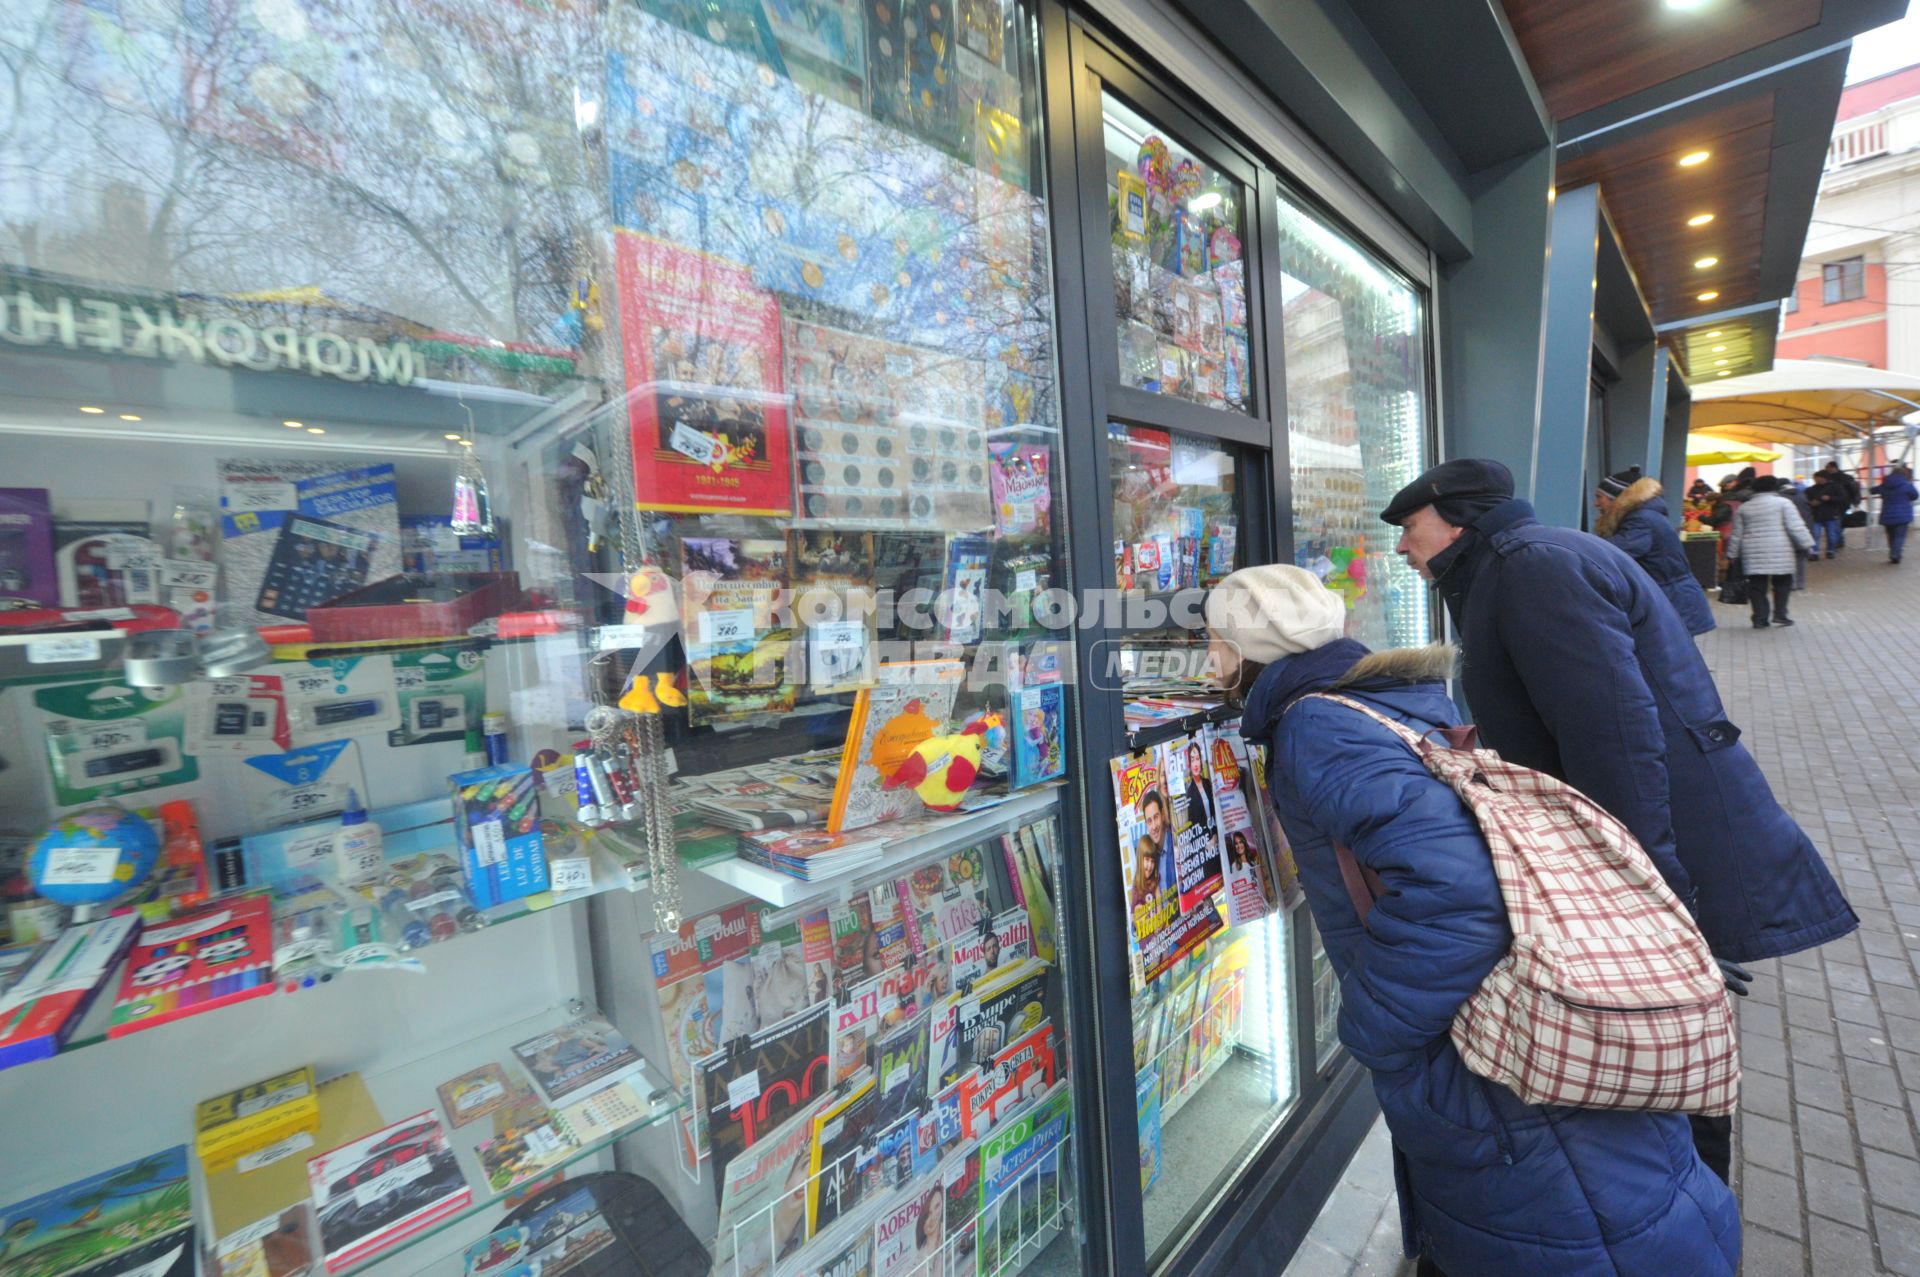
{"x": 1827, "y": 498}
{"x": 1576, "y": 665}
{"x": 1633, "y": 515}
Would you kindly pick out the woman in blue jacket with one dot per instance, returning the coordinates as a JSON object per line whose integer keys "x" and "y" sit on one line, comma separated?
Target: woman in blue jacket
{"x": 1897, "y": 495}
{"x": 1488, "y": 1184}
{"x": 1633, "y": 515}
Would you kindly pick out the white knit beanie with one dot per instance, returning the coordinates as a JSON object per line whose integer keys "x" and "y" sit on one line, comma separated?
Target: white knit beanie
{"x": 1274, "y": 611}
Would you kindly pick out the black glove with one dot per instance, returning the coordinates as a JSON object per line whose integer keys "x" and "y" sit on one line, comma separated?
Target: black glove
{"x": 1737, "y": 978}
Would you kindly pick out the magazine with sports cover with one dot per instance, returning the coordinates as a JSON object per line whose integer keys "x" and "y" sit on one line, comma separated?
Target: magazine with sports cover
{"x": 1248, "y": 873}
{"x": 763, "y": 1198}
{"x": 750, "y": 1084}
{"x": 706, "y": 407}
{"x": 576, "y": 1059}
{"x": 969, "y": 1029}
{"x": 1196, "y": 820}
{"x": 841, "y": 1132}
{"x": 739, "y": 653}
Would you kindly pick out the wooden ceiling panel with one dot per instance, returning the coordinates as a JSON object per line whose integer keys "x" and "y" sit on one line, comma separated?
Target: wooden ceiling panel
{"x": 1585, "y": 55}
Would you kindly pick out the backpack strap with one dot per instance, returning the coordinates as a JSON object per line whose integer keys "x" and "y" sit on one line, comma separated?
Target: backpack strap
{"x": 1363, "y": 884}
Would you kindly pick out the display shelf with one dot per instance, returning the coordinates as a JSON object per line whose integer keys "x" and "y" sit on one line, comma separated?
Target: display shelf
{"x": 781, "y": 891}
{"x": 608, "y": 875}
{"x": 1152, "y": 734}
{"x": 412, "y": 1087}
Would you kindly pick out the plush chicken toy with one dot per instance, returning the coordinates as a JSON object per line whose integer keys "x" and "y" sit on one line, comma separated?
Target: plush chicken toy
{"x": 940, "y": 769}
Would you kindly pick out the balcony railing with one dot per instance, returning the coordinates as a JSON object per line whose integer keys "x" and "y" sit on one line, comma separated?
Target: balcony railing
{"x": 1853, "y": 143}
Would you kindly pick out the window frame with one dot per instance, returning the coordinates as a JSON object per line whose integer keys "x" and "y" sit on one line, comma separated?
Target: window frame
{"x": 1843, "y": 281}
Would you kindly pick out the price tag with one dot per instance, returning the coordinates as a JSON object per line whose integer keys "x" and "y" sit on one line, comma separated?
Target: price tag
{"x": 838, "y": 649}
{"x": 707, "y": 926}
{"x": 313, "y": 683}
{"x": 365, "y": 1195}
{"x": 261, "y": 496}
{"x": 188, "y": 574}
{"x": 79, "y": 866}
{"x": 480, "y": 1095}
{"x": 695, "y": 444}
{"x": 744, "y": 1089}
{"x": 104, "y": 614}
{"x": 1026, "y": 582}
{"x": 489, "y": 842}
{"x": 298, "y": 803}
{"x": 409, "y": 679}
{"x": 570, "y": 873}
{"x": 297, "y": 1142}
{"x": 113, "y": 737}
{"x": 251, "y": 1235}
{"x": 309, "y": 849}
{"x": 956, "y": 1170}
{"x": 62, "y": 648}
{"x": 897, "y": 1078}
{"x": 429, "y": 901}
{"x": 613, "y": 638}
{"x": 735, "y": 626}
{"x": 544, "y": 1142}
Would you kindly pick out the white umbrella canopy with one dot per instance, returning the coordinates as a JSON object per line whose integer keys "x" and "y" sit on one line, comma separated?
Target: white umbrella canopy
{"x": 1808, "y": 402}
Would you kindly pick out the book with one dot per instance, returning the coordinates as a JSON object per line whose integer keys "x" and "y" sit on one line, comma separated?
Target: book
{"x": 749, "y": 1085}
{"x": 706, "y": 407}
{"x": 576, "y": 1059}
{"x": 910, "y": 701}
{"x": 211, "y": 957}
{"x": 739, "y": 651}
{"x": 1039, "y": 734}
{"x": 383, "y": 1188}
{"x": 1247, "y": 867}
{"x": 963, "y": 589}
{"x": 39, "y": 1012}
{"x": 1020, "y": 475}
{"x": 837, "y": 1181}
{"x": 97, "y": 1224}
{"x": 763, "y": 1197}
{"x": 1196, "y": 820}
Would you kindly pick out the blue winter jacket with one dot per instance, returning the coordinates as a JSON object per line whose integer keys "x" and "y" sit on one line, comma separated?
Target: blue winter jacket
{"x": 1897, "y": 495}
{"x": 1574, "y": 665}
{"x": 1639, "y": 524}
{"x": 1488, "y": 1185}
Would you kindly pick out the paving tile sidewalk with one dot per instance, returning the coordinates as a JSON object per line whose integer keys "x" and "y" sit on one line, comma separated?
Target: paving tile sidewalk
{"x": 1828, "y": 1159}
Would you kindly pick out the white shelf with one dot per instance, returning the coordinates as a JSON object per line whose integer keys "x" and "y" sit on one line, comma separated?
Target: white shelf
{"x": 781, "y": 891}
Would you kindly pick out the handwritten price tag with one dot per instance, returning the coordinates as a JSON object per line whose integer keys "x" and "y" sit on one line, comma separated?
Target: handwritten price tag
{"x": 79, "y": 866}
{"x": 570, "y": 873}
{"x": 694, "y": 444}
{"x": 60, "y": 650}
{"x": 735, "y": 626}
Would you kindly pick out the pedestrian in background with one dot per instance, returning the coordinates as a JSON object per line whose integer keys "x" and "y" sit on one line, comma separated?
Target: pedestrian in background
{"x": 1850, "y": 486}
{"x": 1897, "y": 495}
{"x": 1791, "y": 491}
{"x": 1768, "y": 535}
{"x": 1827, "y": 497}
{"x": 1633, "y": 515}
{"x": 1488, "y": 1183}
{"x": 1575, "y": 665}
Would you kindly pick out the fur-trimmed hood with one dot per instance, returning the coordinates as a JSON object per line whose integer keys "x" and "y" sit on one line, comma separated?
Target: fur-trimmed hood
{"x": 1638, "y": 494}
{"x": 1435, "y": 663}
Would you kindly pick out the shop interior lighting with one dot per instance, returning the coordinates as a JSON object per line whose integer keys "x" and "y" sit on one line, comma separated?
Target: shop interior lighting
{"x": 1700, "y": 219}
{"x": 1721, "y": 363}
{"x": 1706, "y": 263}
{"x": 1686, "y": 6}
{"x": 129, "y": 416}
{"x": 1709, "y": 295}
{"x": 293, "y": 425}
{"x": 91, "y": 411}
{"x": 1715, "y": 333}
{"x": 1718, "y": 349}
{"x": 452, "y": 436}
{"x": 316, "y": 430}
{"x": 1692, "y": 158}
{"x": 1728, "y": 372}
{"x": 1203, "y": 201}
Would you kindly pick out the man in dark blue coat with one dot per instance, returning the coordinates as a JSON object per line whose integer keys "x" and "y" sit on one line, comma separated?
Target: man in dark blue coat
{"x": 1576, "y": 665}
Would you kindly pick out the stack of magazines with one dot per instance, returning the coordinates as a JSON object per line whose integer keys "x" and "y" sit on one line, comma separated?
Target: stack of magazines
{"x": 812, "y": 854}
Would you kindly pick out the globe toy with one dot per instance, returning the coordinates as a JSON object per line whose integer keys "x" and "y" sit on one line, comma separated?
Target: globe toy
{"x": 92, "y": 856}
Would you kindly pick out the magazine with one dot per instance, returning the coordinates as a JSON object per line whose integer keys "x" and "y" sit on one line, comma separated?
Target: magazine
{"x": 763, "y": 1198}
{"x": 900, "y": 1069}
{"x": 1250, "y": 891}
{"x": 991, "y": 945}
{"x": 1020, "y": 1173}
{"x": 841, "y": 1131}
{"x": 969, "y": 1029}
{"x": 750, "y": 1084}
{"x": 1027, "y": 851}
{"x": 383, "y": 1188}
{"x": 907, "y": 1235}
{"x": 577, "y": 1059}
{"x": 1146, "y": 1095}
{"x": 1025, "y": 1069}
{"x": 1196, "y": 820}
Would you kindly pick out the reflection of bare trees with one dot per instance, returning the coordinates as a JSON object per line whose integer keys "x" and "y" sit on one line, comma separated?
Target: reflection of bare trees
{"x": 418, "y": 156}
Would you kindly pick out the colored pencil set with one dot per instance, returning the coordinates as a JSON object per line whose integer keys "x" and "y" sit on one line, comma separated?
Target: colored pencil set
{"x": 205, "y": 959}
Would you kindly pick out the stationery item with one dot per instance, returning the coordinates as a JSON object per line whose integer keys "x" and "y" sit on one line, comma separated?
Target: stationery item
{"x": 104, "y": 738}
{"x": 39, "y": 1012}
{"x": 269, "y": 1181}
{"x": 358, "y": 853}
{"x": 577, "y": 1059}
{"x": 525, "y": 1151}
{"x": 496, "y": 818}
{"x": 98, "y": 1224}
{"x": 476, "y": 1093}
{"x": 302, "y": 786}
{"x": 708, "y": 414}
{"x": 299, "y": 533}
{"x": 106, "y": 563}
{"x": 413, "y": 605}
{"x": 909, "y": 703}
{"x": 208, "y": 958}
{"x": 383, "y": 1188}
{"x": 255, "y": 1116}
{"x": 607, "y": 1112}
{"x": 26, "y": 548}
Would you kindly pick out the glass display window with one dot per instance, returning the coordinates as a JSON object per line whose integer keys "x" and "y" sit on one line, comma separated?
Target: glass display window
{"x": 530, "y": 537}
{"x": 1354, "y": 337}
{"x": 1176, "y": 510}
{"x": 1178, "y": 228}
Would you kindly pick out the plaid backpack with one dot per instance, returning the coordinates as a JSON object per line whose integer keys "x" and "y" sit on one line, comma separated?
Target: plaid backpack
{"x": 1609, "y": 997}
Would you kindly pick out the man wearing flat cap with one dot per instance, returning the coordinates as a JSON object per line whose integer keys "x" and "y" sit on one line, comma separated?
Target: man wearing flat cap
{"x": 1576, "y": 665}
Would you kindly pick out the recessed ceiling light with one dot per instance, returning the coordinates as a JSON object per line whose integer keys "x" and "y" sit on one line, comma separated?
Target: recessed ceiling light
{"x": 466, "y": 443}
{"x": 1700, "y": 219}
{"x": 452, "y": 436}
{"x": 1718, "y": 349}
{"x": 1692, "y": 158}
{"x": 1686, "y": 6}
{"x": 293, "y": 425}
{"x": 1721, "y": 363}
{"x": 92, "y": 411}
{"x": 1728, "y": 372}
{"x": 1705, "y": 262}
{"x": 1709, "y": 295}
{"x": 316, "y": 430}
{"x": 129, "y": 416}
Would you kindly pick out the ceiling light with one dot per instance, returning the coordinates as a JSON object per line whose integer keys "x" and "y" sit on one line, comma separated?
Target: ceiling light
{"x": 293, "y": 425}
{"x": 1718, "y": 349}
{"x": 452, "y": 436}
{"x": 128, "y": 416}
{"x": 1700, "y": 219}
{"x": 1686, "y": 6}
{"x": 466, "y": 443}
{"x": 1204, "y": 201}
{"x": 1714, "y": 333}
{"x": 1706, "y": 262}
{"x": 1709, "y": 295}
{"x": 91, "y": 411}
{"x": 1726, "y": 372}
{"x": 1692, "y": 158}
{"x": 1721, "y": 363}
{"x": 315, "y": 430}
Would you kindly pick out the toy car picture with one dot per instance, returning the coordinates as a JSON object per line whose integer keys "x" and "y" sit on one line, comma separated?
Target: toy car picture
{"x": 378, "y": 1189}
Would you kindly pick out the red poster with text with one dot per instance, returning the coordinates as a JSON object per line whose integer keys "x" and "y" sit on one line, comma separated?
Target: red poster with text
{"x": 705, "y": 403}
